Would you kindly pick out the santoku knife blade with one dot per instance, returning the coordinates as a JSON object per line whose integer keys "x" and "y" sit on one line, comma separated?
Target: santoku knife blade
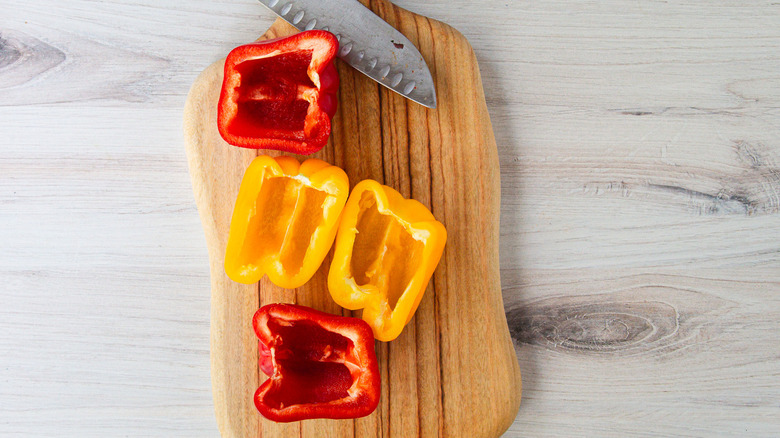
{"x": 366, "y": 42}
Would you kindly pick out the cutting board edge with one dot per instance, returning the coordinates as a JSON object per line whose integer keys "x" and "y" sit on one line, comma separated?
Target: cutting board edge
{"x": 514, "y": 402}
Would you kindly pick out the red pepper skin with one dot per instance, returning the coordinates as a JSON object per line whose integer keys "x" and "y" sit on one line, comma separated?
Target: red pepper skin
{"x": 280, "y": 93}
{"x": 323, "y": 366}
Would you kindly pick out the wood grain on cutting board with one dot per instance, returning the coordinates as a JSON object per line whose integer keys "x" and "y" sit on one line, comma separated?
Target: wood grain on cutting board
{"x": 453, "y": 371}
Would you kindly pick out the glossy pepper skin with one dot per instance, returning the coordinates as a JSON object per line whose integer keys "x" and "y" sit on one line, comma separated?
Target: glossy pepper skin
{"x": 320, "y": 365}
{"x": 281, "y": 93}
{"x": 386, "y": 251}
{"x": 284, "y": 220}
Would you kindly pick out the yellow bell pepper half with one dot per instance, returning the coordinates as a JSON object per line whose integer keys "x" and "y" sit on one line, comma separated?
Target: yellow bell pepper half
{"x": 386, "y": 251}
{"x": 284, "y": 220}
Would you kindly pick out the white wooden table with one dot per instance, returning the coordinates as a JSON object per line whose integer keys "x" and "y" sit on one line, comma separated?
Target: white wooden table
{"x": 640, "y": 259}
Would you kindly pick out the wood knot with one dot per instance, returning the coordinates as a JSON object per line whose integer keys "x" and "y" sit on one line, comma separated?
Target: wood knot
{"x": 642, "y": 319}
{"x": 23, "y": 58}
{"x": 593, "y": 324}
{"x": 601, "y": 330}
{"x": 9, "y": 52}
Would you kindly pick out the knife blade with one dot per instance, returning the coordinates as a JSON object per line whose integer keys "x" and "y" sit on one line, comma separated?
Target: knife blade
{"x": 366, "y": 42}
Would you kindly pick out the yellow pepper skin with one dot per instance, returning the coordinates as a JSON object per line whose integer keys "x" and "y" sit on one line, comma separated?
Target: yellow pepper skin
{"x": 386, "y": 251}
{"x": 284, "y": 220}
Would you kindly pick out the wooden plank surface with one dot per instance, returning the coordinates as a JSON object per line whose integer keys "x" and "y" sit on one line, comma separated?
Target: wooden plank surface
{"x": 457, "y": 348}
{"x": 638, "y": 144}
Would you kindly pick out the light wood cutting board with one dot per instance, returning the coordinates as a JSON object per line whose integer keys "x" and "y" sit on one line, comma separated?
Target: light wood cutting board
{"x": 453, "y": 371}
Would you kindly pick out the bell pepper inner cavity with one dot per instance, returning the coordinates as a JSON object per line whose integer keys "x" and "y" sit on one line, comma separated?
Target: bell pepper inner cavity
{"x": 312, "y": 362}
{"x": 385, "y": 254}
{"x": 272, "y": 95}
{"x": 287, "y": 213}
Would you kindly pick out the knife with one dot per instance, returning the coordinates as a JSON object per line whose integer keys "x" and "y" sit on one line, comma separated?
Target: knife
{"x": 366, "y": 42}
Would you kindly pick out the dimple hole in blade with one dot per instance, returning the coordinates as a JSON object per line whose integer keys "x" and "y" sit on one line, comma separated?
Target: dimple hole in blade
{"x": 396, "y": 79}
{"x": 346, "y": 48}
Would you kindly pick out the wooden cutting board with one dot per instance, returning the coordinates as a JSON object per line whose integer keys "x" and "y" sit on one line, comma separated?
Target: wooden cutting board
{"x": 453, "y": 371}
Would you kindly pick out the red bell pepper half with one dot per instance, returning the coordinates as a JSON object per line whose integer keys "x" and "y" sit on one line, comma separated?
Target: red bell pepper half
{"x": 281, "y": 93}
{"x": 320, "y": 365}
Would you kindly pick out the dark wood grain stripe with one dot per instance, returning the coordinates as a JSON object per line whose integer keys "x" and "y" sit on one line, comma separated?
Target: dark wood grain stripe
{"x": 750, "y": 187}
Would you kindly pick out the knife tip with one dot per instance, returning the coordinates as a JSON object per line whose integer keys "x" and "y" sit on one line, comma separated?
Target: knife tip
{"x": 428, "y": 101}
